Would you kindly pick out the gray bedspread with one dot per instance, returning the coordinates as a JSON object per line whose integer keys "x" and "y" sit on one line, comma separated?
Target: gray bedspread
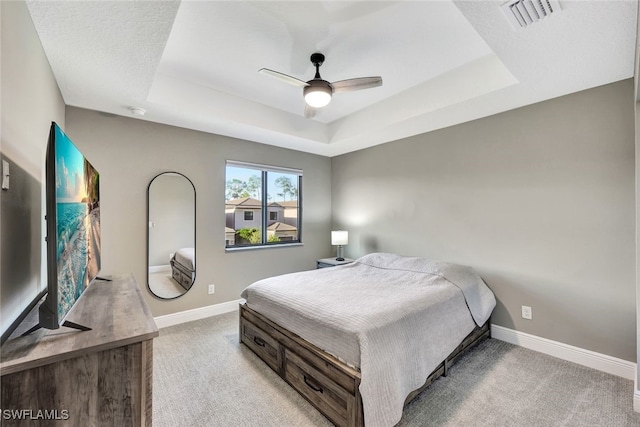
{"x": 186, "y": 257}
{"x": 395, "y": 318}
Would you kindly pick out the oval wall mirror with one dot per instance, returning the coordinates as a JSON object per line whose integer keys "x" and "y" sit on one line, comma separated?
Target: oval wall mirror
{"x": 171, "y": 237}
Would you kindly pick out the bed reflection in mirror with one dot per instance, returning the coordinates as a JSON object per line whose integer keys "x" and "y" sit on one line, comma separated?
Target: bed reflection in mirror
{"x": 171, "y": 216}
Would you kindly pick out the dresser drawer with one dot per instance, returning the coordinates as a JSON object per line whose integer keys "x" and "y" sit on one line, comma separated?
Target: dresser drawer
{"x": 332, "y": 400}
{"x": 183, "y": 279}
{"x": 261, "y": 343}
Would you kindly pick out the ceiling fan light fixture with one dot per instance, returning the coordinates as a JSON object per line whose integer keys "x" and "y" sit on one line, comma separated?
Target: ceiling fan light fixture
{"x": 317, "y": 96}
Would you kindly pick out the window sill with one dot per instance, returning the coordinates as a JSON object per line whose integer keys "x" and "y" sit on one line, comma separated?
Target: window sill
{"x": 258, "y": 247}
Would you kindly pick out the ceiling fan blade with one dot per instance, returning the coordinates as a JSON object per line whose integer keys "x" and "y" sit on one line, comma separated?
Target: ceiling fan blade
{"x": 356, "y": 84}
{"x": 309, "y": 111}
{"x": 284, "y": 77}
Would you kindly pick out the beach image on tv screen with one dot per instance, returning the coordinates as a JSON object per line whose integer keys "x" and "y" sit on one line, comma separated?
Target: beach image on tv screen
{"x": 78, "y": 223}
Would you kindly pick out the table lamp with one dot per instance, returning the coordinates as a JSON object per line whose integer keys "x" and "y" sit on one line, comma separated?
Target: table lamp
{"x": 340, "y": 238}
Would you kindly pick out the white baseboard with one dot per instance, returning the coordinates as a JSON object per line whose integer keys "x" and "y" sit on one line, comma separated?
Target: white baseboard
{"x": 196, "y": 313}
{"x": 591, "y": 359}
{"x": 159, "y": 268}
{"x": 636, "y": 396}
{"x": 581, "y": 356}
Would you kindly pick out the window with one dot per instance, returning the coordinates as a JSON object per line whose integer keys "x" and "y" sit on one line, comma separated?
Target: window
{"x": 254, "y": 220}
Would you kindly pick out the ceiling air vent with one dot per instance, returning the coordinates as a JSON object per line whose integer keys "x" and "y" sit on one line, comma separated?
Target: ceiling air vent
{"x": 522, "y": 13}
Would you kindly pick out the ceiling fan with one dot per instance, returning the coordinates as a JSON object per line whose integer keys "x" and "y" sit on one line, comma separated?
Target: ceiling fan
{"x": 317, "y": 92}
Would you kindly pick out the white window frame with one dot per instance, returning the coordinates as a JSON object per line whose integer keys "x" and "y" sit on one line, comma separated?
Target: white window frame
{"x": 264, "y": 170}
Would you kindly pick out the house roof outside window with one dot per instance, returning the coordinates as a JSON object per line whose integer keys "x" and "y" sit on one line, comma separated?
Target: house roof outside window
{"x": 245, "y": 203}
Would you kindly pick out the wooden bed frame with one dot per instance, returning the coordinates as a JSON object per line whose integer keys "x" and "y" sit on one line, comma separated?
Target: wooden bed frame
{"x": 327, "y": 383}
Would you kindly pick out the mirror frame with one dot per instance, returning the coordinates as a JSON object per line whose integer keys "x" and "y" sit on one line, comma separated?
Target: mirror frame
{"x": 149, "y": 236}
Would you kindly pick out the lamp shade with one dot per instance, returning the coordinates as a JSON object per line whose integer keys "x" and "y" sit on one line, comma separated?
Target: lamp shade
{"x": 340, "y": 237}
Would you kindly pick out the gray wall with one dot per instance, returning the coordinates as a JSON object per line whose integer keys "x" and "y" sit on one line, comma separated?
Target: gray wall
{"x": 540, "y": 200}
{"x": 637, "y": 171}
{"x": 128, "y": 153}
{"x": 30, "y": 100}
{"x": 636, "y": 82}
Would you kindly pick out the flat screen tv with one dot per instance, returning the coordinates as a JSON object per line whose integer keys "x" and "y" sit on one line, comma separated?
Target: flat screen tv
{"x": 73, "y": 229}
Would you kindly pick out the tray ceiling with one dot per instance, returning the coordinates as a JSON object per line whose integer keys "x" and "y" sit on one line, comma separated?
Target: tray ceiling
{"x": 194, "y": 64}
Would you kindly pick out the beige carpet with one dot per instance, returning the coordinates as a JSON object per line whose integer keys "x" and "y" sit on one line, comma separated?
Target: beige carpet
{"x": 164, "y": 286}
{"x": 204, "y": 377}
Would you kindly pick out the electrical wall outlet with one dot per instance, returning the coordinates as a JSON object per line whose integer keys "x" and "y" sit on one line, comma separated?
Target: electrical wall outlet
{"x": 5, "y": 175}
{"x": 526, "y": 312}
{"x": 212, "y": 289}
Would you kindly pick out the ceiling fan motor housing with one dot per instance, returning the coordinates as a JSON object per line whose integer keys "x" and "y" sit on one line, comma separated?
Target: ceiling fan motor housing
{"x": 317, "y": 59}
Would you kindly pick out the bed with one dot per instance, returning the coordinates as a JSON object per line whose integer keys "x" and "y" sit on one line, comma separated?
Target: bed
{"x": 359, "y": 341}
{"x": 183, "y": 267}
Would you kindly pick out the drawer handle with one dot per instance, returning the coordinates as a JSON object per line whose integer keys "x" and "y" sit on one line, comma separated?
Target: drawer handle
{"x": 313, "y": 384}
{"x": 259, "y": 341}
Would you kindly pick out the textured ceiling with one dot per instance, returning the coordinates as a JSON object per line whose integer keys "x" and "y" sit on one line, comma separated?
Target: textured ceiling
{"x": 194, "y": 63}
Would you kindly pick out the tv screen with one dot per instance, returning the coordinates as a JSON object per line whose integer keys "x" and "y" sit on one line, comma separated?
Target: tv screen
{"x": 73, "y": 228}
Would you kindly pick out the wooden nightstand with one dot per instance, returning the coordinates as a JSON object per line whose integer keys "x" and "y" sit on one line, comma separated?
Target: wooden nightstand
{"x": 331, "y": 262}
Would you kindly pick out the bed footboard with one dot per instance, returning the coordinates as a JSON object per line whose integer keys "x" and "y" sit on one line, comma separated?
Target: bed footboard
{"x": 328, "y": 384}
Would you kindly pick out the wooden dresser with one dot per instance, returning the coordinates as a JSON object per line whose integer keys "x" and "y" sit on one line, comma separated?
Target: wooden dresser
{"x": 101, "y": 377}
